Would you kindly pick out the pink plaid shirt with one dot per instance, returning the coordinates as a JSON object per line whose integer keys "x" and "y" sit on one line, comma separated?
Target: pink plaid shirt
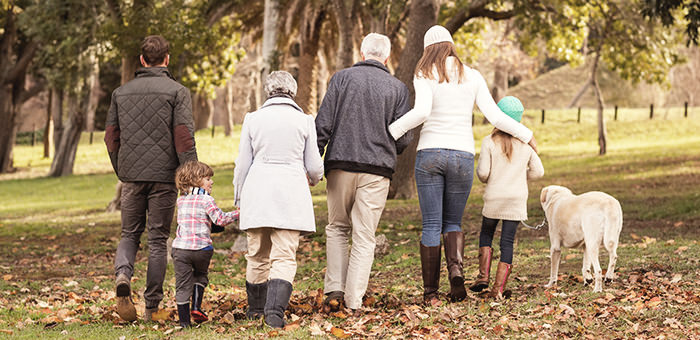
{"x": 195, "y": 214}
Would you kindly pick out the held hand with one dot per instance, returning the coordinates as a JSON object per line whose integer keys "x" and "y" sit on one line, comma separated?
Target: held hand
{"x": 309, "y": 181}
{"x": 533, "y": 144}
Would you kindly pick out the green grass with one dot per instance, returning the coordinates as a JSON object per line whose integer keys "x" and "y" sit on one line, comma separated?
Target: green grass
{"x": 54, "y": 231}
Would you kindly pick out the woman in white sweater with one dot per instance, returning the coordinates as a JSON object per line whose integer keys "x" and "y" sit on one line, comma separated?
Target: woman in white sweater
{"x": 505, "y": 165}
{"x": 446, "y": 91}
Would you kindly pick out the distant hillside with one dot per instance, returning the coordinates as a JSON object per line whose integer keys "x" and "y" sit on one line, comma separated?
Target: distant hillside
{"x": 556, "y": 89}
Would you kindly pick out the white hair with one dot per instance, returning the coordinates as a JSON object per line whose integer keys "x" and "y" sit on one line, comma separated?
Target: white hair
{"x": 280, "y": 82}
{"x": 376, "y": 46}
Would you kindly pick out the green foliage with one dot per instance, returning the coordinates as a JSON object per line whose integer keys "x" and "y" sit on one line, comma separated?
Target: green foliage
{"x": 469, "y": 42}
{"x": 203, "y": 55}
{"x": 636, "y": 49}
{"x": 669, "y": 11}
{"x": 67, "y": 34}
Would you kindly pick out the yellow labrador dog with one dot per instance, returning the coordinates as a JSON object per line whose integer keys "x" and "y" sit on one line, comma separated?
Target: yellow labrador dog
{"x": 584, "y": 220}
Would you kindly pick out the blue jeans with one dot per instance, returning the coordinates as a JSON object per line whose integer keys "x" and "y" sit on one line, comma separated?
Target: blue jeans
{"x": 444, "y": 179}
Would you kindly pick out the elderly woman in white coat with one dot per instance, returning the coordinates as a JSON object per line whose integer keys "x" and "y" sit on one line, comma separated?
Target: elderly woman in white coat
{"x": 278, "y": 160}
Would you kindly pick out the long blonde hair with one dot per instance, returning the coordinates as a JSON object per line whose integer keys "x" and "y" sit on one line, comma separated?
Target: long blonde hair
{"x": 505, "y": 140}
{"x": 435, "y": 56}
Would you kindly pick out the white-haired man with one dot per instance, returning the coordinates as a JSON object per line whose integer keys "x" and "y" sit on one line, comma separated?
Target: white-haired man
{"x": 360, "y": 156}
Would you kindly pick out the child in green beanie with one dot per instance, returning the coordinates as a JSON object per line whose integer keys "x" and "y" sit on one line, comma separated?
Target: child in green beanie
{"x": 505, "y": 165}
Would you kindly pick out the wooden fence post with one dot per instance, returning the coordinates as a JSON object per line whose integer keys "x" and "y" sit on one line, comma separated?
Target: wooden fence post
{"x": 542, "y": 116}
{"x": 578, "y": 120}
{"x": 213, "y": 127}
{"x": 651, "y": 111}
{"x": 685, "y": 112}
{"x": 615, "y": 112}
{"x": 91, "y": 137}
{"x": 33, "y": 134}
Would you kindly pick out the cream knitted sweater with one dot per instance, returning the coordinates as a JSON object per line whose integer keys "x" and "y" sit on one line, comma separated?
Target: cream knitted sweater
{"x": 445, "y": 110}
{"x": 505, "y": 196}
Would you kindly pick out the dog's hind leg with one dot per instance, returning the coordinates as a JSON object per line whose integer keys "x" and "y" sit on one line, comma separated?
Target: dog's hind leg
{"x": 555, "y": 254}
{"x": 612, "y": 251}
{"x": 586, "y": 268}
{"x": 592, "y": 245}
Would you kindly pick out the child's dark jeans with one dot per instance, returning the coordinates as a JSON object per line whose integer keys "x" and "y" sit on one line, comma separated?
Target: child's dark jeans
{"x": 191, "y": 268}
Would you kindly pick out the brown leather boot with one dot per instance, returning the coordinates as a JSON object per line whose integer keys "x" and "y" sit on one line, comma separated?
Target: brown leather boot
{"x": 482, "y": 281}
{"x": 430, "y": 265}
{"x": 498, "y": 290}
{"x": 454, "y": 253}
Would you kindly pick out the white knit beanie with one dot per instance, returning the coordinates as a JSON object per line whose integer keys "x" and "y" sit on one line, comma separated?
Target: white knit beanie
{"x": 436, "y": 34}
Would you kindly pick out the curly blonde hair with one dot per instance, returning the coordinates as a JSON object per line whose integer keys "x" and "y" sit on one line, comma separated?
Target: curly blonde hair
{"x": 191, "y": 174}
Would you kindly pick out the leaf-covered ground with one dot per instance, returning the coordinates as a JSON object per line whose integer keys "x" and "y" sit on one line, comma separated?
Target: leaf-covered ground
{"x": 57, "y": 246}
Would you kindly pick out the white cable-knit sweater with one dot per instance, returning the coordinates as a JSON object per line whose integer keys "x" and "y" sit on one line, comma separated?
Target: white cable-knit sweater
{"x": 445, "y": 110}
{"x": 505, "y": 195}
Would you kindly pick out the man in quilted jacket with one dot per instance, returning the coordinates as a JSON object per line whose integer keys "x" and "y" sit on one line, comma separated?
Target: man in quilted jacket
{"x": 149, "y": 133}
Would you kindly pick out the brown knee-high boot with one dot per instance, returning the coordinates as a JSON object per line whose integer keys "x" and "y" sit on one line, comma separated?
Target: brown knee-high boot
{"x": 499, "y": 287}
{"x": 454, "y": 253}
{"x": 482, "y": 281}
{"x": 430, "y": 265}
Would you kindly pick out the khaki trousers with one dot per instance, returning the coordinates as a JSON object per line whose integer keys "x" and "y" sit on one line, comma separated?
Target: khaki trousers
{"x": 271, "y": 254}
{"x": 355, "y": 204}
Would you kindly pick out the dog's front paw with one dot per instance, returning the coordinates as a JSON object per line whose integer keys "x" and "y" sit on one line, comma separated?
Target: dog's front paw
{"x": 609, "y": 280}
{"x": 587, "y": 282}
{"x": 550, "y": 284}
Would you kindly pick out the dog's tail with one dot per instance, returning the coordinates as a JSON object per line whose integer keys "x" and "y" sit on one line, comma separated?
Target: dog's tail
{"x": 613, "y": 222}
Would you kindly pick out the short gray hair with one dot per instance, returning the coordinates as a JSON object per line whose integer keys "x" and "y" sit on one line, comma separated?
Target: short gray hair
{"x": 280, "y": 82}
{"x": 376, "y": 45}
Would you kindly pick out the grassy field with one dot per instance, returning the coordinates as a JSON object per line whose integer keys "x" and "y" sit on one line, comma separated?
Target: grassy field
{"x": 57, "y": 245}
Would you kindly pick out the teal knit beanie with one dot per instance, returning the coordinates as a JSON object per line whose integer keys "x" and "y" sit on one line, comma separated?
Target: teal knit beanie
{"x": 512, "y": 107}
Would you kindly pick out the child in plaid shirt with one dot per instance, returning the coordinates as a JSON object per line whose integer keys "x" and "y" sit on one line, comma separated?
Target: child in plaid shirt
{"x": 197, "y": 217}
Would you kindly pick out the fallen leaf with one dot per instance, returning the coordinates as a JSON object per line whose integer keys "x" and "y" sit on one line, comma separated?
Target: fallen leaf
{"x": 7, "y": 277}
{"x": 291, "y": 326}
{"x": 676, "y": 278}
{"x": 161, "y": 314}
{"x": 339, "y": 333}
{"x": 567, "y": 309}
{"x": 681, "y": 249}
{"x": 6, "y": 331}
{"x": 316, "y": 330}
{"x": 570, "y": 257}
{"x": 634, "y": 236}
{"x": 169, "y": 331}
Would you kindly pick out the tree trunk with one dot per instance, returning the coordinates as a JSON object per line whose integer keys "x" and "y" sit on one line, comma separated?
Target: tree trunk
{"x": 48, "y": 128}
{"x": 8, "y": 132}
{"x": 580, "y": 93}
{"x": 130, "y": 64}
{"x": 422, "y": 15}
{"x": 269, "y": 44}
{"x": 307, "y": 94}
{"x": 602, "y": 134}
{"x": 57, "y": 116}
{"x": 500, "y": 81}
{"x": 95, "y": 96}
{"x": 228, "y": 113}
{"x": 343, "y": 16}
{"x": 79, "y": 103}
{"x": 201, "y": 111}
{"x": 64, "y": 160}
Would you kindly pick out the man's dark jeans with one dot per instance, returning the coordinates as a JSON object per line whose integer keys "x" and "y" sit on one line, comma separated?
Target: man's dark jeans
{"x": 144, "y": 204}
